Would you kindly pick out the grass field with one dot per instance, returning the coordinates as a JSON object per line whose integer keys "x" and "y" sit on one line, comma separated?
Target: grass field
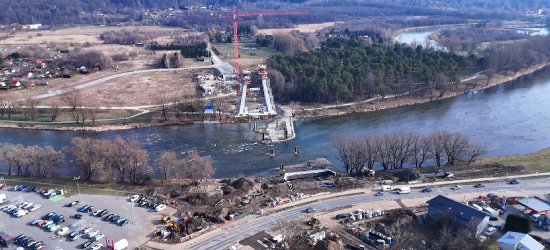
{"x": 44, "y": 115}
{"x": 534, "y": 162}
{"x": 250, "y": 54}
{"x": 79, "y": 35}
{"x": 306, "y": 28}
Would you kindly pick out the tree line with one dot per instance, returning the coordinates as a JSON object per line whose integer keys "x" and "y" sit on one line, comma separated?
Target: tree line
{"x": 470, "y": 38}
{"x": 345, "y": 70}
{"x": 188, "y": 51}
{"x": 395, "y": 150}
{"x": 105, "y": 160}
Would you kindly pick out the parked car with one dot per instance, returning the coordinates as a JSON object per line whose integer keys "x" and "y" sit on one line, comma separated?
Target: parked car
{"x": 72, "y": 203}
{"x": 73, "y": 233}
{"x": 21, "y": 188}
{"x": 483, "y": 197}
{"x": 35, "y": 207}
{"x": 62, "y": 231}
{"x": 379, "y": 193}
{"x": 97, "y": 246}
{"x": 310, "y": 210}
{"x": 426, "y": 190}
{"x": 53, "y": 228}
{"x": 92, "y": 234}
{"x": 342, "y": 216}
{"x": 491, "y": 195}
{"x": 78, "y": 216}
{"x": 76, "y": 236}
{"x": 490, "y": 230}
{"x": 21, "y": 213}
{"x": 86, "y": 244}
{"x": 86, "y": 230}
{"x": 513, "y": 182}
{"x": 456, "y": 187}
{"x": 99, "y": 237}
{"x": 160, "y": 207}
{"x": 95, "y": 213}
{"x": 29, "y": 205}
{"x": 123, "y": 222}
{"x": 103, "y": 212}
{"x": 3, "y": 186}
{"x": 108, "y": 217}
{"x": 134, "y": 198}
{"x": 115, "y": 218}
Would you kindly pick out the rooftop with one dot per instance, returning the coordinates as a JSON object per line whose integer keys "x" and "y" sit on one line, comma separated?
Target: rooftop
{"x": 535, "y": 204}
{"x": 514, "y": 238}
{"x": 456, "y": 208}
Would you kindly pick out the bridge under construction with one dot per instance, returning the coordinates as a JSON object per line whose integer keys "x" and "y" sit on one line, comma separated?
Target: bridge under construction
{"x": 267, "y": 108}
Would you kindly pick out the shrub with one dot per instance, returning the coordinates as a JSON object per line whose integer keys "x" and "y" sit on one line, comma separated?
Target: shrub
{"x": 518, "y": 224}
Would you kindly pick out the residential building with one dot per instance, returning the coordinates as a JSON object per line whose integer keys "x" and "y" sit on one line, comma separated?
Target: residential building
{"x": 471, "y": 217}
{"x": 518, "y": 241}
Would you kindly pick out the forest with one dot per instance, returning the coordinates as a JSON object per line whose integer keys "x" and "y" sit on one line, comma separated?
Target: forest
{"x": 345, "y": 70}
{"x": 470, "y": 38}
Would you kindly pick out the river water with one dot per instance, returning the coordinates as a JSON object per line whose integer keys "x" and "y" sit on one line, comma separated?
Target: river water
{"x": 511, "y": 118}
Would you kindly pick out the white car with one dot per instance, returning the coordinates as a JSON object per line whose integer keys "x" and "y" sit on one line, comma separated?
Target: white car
{"x": 97, "y": 246}
{"x": 62, "y": 231}
{"x": 95, "y": 212}
{"x": 160, "y": 207}
{"x": 86, "y": 230}
{"x": 457, "y": 187}
{"x": 99, "y": 237}
{"x": 92, "y": 233}
{"x": 54, "y": 228}
{"x": 35, "y": 207}
{"x": 490, "y": 230}
{"x": 22, "y": 205}
{"x": 134, "y": 198}
{"x": 21, "y": 213}
{"x": 29, "y": 205}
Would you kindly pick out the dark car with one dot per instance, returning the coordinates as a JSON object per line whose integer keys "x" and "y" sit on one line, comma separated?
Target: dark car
{"x": 479, "y": 185}
{"x": 72, "y": 203}
{"x": 60, "y": 219}
{"x": 86, "y": 244}
{"x": 341, "y": 216}
{"x": 88, "y": 209}
{"x": 123, "y": 222}
{"x": 72, "y": 234}
{"x": 513, "y": 182}
{"x": 379, "y": 193}
{"x": 78, "y": 216}
{"x": 426, "y": 190}
{"x": 108, "y": 217}
{"x": 48, "y": 215}
{"x": 491, "y": 195}
{"x": 116, "y": 217}
{"x": 103, "y": 212}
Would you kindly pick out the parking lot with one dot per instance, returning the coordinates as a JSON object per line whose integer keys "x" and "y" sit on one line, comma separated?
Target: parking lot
{"x": 138, "y": 231}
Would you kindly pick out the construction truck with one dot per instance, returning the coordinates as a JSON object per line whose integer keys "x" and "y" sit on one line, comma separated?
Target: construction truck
{"x": 165, "y": 218}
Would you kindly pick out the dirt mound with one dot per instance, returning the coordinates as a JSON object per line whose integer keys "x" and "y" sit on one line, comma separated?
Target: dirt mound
{"x": 243, "y": 184}
{"x": 410, "y": 174}
{"x": 326, "y": 245}
{"x": 395, "y": 224}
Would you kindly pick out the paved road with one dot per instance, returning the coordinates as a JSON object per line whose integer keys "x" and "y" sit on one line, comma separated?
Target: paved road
{"x": 222, "y": 239}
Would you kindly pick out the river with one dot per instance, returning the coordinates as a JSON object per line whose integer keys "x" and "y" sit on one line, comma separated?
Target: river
{"x": 510, "y": 118}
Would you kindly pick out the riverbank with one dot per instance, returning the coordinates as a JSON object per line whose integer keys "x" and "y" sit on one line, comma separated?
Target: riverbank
{"x": 388, "y": 103}
{"x": 99, "y": 128}
{"x": 398, "y": 32}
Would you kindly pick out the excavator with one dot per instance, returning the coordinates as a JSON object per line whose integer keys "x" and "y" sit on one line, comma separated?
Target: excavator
{"x": 165, "y": 218}
{"x": 313, "y": 221}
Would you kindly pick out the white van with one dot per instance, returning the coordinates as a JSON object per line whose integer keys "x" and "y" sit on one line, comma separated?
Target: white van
{"x": 386, "y": 188}
{"x": 2, "y": 198}
{"x": 404, "y": 190}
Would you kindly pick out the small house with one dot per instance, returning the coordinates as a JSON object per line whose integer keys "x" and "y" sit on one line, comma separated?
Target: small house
{"x": 518, "y": 241}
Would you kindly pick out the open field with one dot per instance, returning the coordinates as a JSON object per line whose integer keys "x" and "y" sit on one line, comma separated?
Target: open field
{"x": 534, "y": 162}
{"x": 142, "y": 89}
{"x": 80, "y": 35}
{"x": 250, "y": 54}
{"x": 306, "y": 28}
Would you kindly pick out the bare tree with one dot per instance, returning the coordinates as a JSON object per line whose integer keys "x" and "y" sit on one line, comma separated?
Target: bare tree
{"x": 31, "y": 106}
{"x": 437, "y": 149}
{"x": 489, "y": 73}
{"x": 420, "y": 149}
{"x": 292, "y": 234}
{"x": 343, "y": 150}
{"x": 474, "y": 151}
{"x": 167, "y": 163}
{"x": 86, "y": 153}
{"x": 199, "y": 105}
{"x": 196, "y": 168}
{"x": 74, "y": 100}
{"x": 162, "y": 103}
{"x": 370, "y": 151}
{"x": 92, "y": 111}
{"x": 383, "y": 145}
{"x": 54, "y": 110}
{"x": 455, "y": 146}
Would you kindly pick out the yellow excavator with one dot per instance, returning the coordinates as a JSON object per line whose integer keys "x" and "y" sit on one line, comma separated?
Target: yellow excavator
{"x": 165, "y": 218}
{"x": 313, "y": 221}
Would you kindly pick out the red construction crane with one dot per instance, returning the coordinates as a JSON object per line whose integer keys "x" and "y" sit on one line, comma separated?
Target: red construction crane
{"x": 236, "y": 38}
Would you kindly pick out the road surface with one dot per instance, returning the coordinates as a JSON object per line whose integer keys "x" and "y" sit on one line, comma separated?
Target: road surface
{"x": 222, "y": 239}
